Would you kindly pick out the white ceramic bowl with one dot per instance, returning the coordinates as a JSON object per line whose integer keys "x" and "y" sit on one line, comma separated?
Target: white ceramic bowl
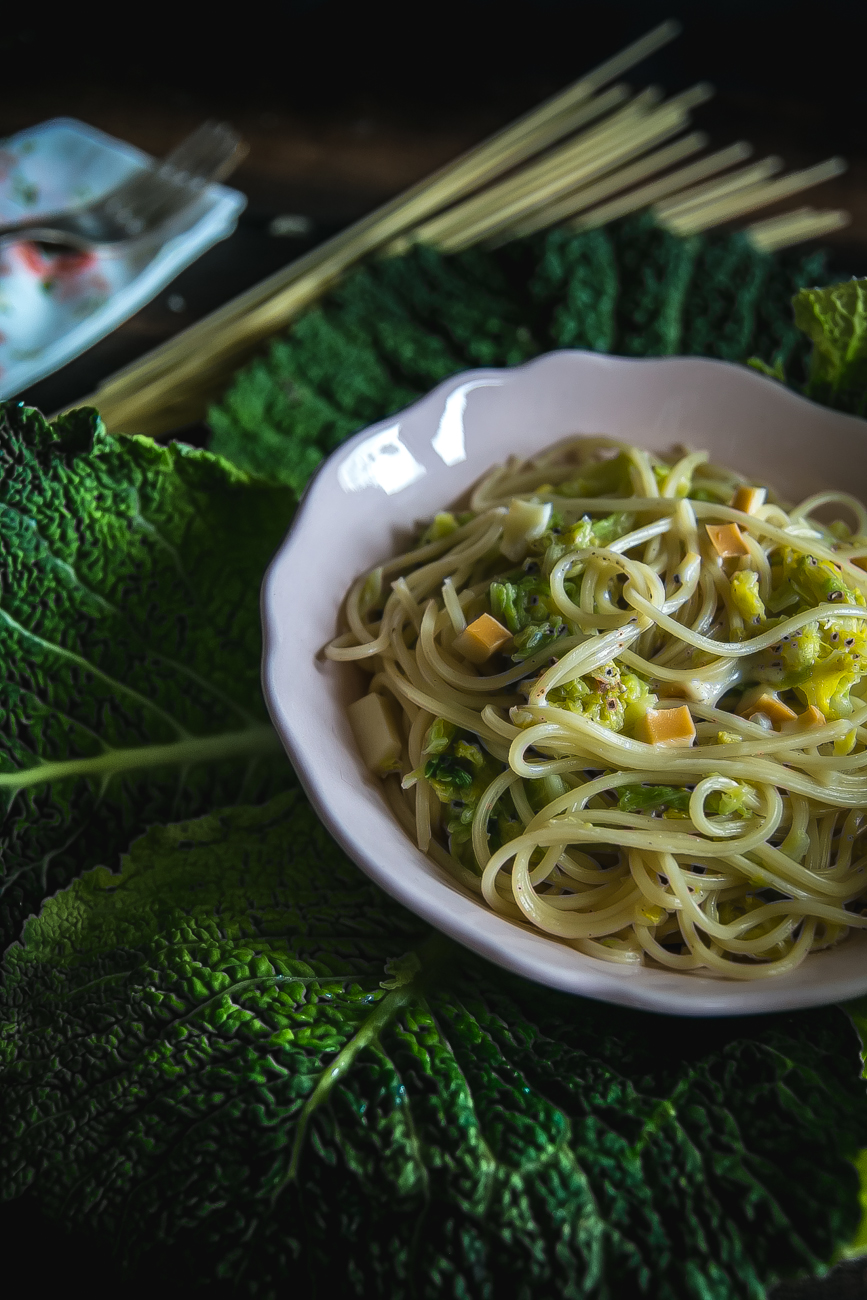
{"x": 385, "y": 479}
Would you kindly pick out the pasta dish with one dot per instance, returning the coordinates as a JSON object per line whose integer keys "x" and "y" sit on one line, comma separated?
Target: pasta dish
{"x": 623, "y": 698}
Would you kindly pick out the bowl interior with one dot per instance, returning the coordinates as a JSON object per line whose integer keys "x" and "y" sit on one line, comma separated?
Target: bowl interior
{"x": 369, "y": 497}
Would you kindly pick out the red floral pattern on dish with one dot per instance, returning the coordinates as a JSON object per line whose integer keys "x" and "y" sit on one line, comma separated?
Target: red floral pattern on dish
{"x": 55, "y": 266}
{"x": 63, "y": 274}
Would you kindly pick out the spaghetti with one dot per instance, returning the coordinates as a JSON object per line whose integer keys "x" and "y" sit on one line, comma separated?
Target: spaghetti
{"x": 623, "y": 698}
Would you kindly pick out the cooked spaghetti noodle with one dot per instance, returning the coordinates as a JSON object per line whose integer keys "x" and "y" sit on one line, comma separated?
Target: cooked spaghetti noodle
{"x": 623, "y": 698}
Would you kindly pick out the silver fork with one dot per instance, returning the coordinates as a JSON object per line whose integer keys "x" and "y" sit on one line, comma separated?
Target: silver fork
{"x": 140, "y": 205}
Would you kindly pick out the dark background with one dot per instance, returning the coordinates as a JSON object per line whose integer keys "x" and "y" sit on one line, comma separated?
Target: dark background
{"x": 344, "y": 105}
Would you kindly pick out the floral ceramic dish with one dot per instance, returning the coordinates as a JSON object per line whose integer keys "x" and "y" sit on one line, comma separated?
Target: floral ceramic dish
{"x": 54, "y": 306}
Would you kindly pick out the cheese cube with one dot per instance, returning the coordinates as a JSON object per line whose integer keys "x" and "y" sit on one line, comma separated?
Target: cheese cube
{"x": 525, "y": 521}
{"x": 669, "y": 727}
{"x": 768, "y": 703}
{"x": 481, "y": 639}
{"x": 376, "y": 733}
{"x": 727, "y": 540}
{"x": 748, "y": 499}
{"x": 806, "y": 721}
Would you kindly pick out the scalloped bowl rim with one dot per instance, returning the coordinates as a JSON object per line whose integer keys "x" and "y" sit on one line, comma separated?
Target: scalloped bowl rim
{"x": 403, "y": 469}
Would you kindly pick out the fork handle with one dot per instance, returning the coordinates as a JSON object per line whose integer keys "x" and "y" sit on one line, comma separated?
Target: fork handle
{"x": 41, "y": 230}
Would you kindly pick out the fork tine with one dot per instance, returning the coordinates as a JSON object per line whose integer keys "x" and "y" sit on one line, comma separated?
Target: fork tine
{"x": 239, "y": 152}
{"x": 192, "y": 143}
{"x": 142, "y": 194}
{"x": 155, "y": 193}
{"x": 142, "y": 182}
{"x": 204, "y": 150}
{"x": 212, "y": 146}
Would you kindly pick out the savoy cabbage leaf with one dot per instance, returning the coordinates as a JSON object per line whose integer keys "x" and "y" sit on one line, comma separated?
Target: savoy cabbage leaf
{"x": 397, "y": 326}
{"x": 129, "y": 644}
{"x": 240, "y": 1056}
{"x": 835, "y": 319}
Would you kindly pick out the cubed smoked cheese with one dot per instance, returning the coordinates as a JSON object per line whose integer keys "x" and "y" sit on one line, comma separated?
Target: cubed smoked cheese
{"x": 376, "y": 733}
{"x": 727, "y": 540}
{"x": 772, "y": 706}
{"x": 669, "y": 727}
{"x": 481, "y": 639}
{"x": 525, "y": 521}
{"x": 806, "y": 721}
{"x": 748, "y": 499}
